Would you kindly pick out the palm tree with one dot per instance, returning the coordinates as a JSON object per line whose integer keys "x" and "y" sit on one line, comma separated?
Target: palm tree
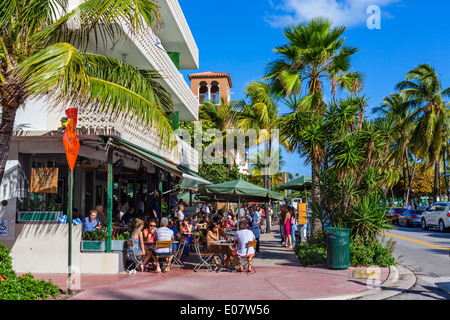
{"x": 395, "y": 107}
{"x": 260, "y": 114}
{"x": 43, "y": 55}
{"x": 314, "y": 51}
{"x": 423, "y": 91}
{"x": 221, "y": 116}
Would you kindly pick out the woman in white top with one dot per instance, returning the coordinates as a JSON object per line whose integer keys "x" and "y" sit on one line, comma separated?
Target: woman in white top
{"x": 180, "y": 212}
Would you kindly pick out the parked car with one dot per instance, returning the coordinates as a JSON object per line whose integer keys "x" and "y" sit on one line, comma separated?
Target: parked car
{"x": 410, "y": 218}
{"x": 437, "y": 216}
{"x": 393, "y": 214}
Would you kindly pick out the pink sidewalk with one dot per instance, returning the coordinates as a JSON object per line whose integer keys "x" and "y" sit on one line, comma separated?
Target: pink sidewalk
{"x": 279, "y": 277}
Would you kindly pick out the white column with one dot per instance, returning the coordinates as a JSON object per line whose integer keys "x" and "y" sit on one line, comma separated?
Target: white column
{"x": 209, "y": 91}
{"x": 198, "y": 94}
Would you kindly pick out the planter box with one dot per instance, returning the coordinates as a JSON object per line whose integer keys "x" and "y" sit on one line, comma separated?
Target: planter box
{"x": 93, "y": 246}
{"x": 118, "y": 245}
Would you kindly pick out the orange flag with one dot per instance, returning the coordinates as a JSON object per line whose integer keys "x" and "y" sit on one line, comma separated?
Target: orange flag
{"x": 71, "y": 143}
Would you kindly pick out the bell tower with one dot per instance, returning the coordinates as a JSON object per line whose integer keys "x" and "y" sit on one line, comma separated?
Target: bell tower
{"x": 212, "y": 86}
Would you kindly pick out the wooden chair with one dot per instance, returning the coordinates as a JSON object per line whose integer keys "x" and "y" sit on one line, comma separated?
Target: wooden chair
{"x": 245, "y": 260}
{"x": 163, "y": 249}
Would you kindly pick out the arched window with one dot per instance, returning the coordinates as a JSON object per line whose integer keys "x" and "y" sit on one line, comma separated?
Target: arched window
{"x": 202, "y": 92}
{"x": 215, "y": 92}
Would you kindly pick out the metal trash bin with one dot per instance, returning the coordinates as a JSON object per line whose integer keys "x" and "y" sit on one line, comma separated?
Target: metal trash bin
{"x": 338, "y": 248}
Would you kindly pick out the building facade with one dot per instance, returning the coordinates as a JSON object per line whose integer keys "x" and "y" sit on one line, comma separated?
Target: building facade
{"x": 117, "y": 162}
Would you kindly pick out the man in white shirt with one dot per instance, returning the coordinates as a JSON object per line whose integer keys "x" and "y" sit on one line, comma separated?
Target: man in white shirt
{"x": 243, "y": 236}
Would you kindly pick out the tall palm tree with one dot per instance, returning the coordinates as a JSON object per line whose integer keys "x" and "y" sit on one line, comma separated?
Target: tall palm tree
{"x": 395, "y": 107}
{"x": 261, "y": 114}
{"x": 314, "y": 51}
{"x": 423, "y": 91}
{"x": 43, "y": 55}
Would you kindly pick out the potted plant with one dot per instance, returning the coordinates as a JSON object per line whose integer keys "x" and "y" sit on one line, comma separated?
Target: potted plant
{"x": 94, "y": 241}
{"x": 118, "y": 244}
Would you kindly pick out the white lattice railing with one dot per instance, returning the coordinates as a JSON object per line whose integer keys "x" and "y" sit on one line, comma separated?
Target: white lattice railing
{"x": 94, "y": 123}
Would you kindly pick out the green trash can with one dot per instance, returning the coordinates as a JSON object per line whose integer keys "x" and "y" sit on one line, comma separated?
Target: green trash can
{"x": 338, "y": 248}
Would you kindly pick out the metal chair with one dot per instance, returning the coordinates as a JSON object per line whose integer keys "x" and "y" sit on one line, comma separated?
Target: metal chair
{"x": 178, "y": 253}
{"x": 166, "y": 254}
{"x": 245, "y": 260}
{"x": 134, "y": 260}
{"x": 204, "y": 257}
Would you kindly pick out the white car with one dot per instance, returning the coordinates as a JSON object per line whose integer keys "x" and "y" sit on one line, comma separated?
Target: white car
{"x": 437, "y": 216}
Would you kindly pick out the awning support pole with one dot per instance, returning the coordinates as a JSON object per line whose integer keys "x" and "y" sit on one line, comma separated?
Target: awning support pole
{"x": 109, "y": 200}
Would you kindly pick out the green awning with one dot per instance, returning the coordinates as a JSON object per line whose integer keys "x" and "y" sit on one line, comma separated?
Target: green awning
{"x": 148, "y": 155}
{"x": 238, "y": 190}
{"x": 297, "y": 184}
{"x": 186, "y": 197}
{"x": 191, "y": 180}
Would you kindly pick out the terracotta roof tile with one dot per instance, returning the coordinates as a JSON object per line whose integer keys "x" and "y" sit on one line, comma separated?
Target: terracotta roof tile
{"x": 210, "y": 74}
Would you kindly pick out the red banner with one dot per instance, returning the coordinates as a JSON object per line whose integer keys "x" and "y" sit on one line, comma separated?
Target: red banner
{"x": 70, "y": 139}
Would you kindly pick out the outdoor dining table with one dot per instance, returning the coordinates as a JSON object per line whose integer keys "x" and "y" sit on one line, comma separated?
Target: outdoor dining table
{"x": 223, "y": 244}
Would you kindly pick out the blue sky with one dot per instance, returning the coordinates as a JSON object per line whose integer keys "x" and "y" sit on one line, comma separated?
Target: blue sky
{"x": 238, "y": 37}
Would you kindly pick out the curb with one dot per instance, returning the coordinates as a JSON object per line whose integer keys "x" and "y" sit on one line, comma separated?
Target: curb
{"x": 399, "y": 280}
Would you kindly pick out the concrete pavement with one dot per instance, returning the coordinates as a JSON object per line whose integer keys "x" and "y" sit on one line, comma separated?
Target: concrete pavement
{"x": 279, "y": 276}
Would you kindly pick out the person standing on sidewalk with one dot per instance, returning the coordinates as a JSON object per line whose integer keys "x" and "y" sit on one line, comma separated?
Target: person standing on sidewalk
{"x": 281, "y": 217}
{"x": 254, "y": 226}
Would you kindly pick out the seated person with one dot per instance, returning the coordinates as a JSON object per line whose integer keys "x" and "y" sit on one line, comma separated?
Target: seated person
{"x": 138, "y": 243}
{"x": 163, "y": 234}
{"x": 230, "y": 223}
{"x": 129, "y": 215}
{"x": 212, "y": 236}
{"x": 185, "y": 226}
{"x": 242, "y": 237}
{"x": 91, "y": 223}
{"x": 176, "y": 234}
{"x": 149, "y": 234}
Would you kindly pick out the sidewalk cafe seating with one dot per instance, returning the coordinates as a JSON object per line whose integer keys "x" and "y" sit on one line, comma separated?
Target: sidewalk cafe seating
{"x": 163, "y": 249}
{"x": 134, "y": 261}
{"x": 204, "y": 257}
{"x": 245, "y": 260}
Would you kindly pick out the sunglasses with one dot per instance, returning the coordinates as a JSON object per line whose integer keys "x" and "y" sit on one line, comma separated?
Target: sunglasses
{"x": 153, "y": 225}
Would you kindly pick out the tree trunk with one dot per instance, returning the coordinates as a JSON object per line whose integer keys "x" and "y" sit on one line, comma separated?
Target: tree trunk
{"x": 316, "y": 227}
{"x": 6, "y": 131}
{"x": 435, "y": 186}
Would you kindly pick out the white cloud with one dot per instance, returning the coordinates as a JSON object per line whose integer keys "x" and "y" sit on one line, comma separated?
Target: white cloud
{"x": 342, "y": 12}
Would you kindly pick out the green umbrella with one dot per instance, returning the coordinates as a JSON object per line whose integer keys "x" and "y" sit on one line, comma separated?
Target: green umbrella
{"x": 297, "y": 184}
{"x": 238, "y": 190}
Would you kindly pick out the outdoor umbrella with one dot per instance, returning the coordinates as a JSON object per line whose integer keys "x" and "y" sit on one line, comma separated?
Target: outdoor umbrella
{"x": 238, "y": 190}
{"x": 297, "y": 184}
{"x": 301, "y": 183}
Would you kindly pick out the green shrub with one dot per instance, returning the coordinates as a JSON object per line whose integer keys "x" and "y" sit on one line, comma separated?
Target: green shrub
{"x": 364, "y": 252}
{"x": 24, "y": 287}
{"x": 312, "y": 252}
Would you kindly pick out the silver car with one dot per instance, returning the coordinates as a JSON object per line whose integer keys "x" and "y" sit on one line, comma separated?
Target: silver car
{"x": 437, "y": 216}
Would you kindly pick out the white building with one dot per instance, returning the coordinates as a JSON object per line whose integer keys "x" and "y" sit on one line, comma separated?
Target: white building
{"x": 138, "y": 165}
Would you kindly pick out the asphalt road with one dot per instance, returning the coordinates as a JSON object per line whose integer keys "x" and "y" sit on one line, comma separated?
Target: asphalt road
{"x": 426, "y": 253}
